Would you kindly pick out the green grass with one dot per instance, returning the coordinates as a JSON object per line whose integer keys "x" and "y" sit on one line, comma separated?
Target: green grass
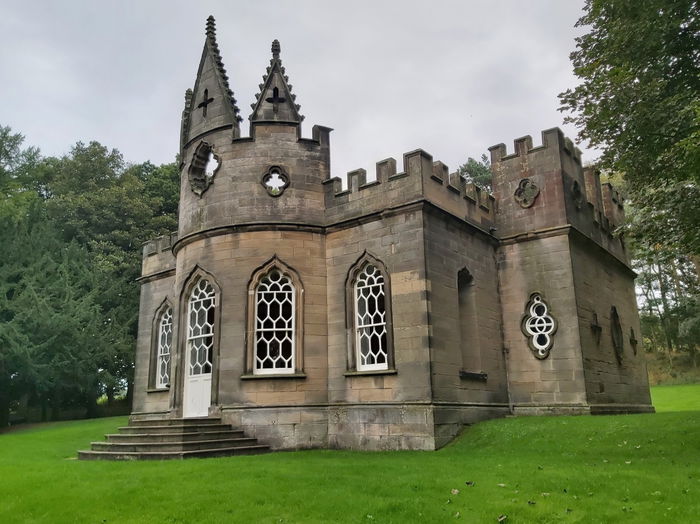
{"x": 676, "y": 398}
{"x": 633, "y": 468}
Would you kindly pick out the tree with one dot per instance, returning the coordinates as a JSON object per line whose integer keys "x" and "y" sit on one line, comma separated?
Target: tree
{"x": 16, "y": 166}
{"x": 478, "y": 172}
{"x": 639, "y": 101}
{"x": 72, "y": 229}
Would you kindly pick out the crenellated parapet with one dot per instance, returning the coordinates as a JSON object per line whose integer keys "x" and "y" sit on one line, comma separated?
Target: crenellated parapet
{"x": 158, "y": 255}
{"x": 540, "y": 188}
{"x": 421, "y": 179}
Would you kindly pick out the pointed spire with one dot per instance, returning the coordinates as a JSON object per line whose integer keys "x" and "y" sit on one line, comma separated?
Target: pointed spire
{"x": 211, "y": 103}
{"x": 275, "y": 101}
{"x": 214, "y": 48}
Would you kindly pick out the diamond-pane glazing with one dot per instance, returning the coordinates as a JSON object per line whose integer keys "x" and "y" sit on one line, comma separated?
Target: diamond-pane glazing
{"x": 165, "y": 342}
{"x": 370, "y": 321}
{"x": 200, "y": 327}
{"x": 274, "y": 324}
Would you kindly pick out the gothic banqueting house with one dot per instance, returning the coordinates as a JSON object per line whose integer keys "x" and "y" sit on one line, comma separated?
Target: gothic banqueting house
{"x": 384, "y": 315}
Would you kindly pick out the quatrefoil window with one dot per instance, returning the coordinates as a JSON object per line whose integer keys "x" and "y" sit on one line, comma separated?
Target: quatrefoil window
{"x": 539, "y": 326}
{"x": 275, "y": 181}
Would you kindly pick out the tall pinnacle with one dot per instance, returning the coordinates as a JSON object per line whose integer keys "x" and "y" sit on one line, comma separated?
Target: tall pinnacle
{"x": 275, "y": 102}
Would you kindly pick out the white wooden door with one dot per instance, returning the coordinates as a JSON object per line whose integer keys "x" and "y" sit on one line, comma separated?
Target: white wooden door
{"x": 198, "y": 358}
{"x": 197, "y": 395}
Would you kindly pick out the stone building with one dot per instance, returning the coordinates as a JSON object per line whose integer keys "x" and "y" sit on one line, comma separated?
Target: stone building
{"x": 384, "y": 315}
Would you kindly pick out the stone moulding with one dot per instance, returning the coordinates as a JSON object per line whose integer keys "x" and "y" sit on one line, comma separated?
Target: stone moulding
{"x": 538, "y": 326}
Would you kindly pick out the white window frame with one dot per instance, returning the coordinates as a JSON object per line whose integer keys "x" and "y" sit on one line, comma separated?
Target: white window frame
{"x": 372, "y": 326}
{"x": 165, "y": 345}
{"x": 289, "y": 294}
{"x": 210, "y": 293}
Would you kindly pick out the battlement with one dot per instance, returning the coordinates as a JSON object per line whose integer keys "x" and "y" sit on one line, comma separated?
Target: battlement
{"x": 543, "y": 187}
{"x": 159, "y": 244}
{"x": 421, "y": 178}
{"x": 551, "y": 138}
{"x": 158, "y": 256}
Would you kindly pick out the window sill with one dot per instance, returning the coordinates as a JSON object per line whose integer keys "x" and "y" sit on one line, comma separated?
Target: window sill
{"x": 157, "y": 390}
{"x": 473, "y": 375}
{"x": 277, "y": 375}
{"x": 370, "y": 373}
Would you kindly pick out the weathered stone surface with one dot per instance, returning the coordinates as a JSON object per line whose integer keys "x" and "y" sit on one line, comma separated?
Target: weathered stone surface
{"x": 459, "y": 267}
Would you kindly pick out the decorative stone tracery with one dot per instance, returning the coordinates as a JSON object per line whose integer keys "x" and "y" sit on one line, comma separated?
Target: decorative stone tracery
{"x": 526, "y": 193}
{"x": 203, "y": 168}
{"x": 539, "y": 326}
{"x": 275, "y": 181}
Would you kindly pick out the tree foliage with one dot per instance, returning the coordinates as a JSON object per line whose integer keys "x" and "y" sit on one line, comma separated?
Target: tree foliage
{"x": 478, "y": 172}
{"x": 72, "y": 229}
{"x": 639, "y": 101}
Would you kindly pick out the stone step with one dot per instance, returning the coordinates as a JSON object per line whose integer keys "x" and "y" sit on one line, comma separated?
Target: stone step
{"x": 201, "y": 421}
{"x": 172, "y": 428}
{"x": 170, "y": 455}
{"x": 187, "y": 436}
{"x": 119, "y": 447}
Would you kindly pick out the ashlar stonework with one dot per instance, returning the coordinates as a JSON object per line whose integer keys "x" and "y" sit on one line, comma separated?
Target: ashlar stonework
{"x": 384, "y": 315}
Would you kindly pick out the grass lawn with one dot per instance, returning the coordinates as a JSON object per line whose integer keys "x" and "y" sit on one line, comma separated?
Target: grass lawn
{"x": 632, "y": 468}
{"x": 684, "y": 397}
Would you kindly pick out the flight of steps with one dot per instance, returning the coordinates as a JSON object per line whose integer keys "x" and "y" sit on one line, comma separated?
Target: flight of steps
{"x": 173, "y": 439}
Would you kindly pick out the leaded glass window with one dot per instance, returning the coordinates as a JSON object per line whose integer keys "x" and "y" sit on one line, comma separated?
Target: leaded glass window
{"x": 200, "y": 327}
{"x": 370, "y": 320}
{"x": 165, "y": 342}
{"x": 274, "y": 324}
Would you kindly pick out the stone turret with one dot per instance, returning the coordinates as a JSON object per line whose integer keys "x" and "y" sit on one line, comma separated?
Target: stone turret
{"x": 227, "y": 180}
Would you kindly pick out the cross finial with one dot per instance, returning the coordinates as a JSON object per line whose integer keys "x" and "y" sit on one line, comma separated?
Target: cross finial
{"x": 276, "y": 48}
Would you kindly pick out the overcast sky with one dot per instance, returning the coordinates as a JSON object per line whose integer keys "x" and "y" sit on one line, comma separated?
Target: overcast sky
{"x": 450, "y": 77}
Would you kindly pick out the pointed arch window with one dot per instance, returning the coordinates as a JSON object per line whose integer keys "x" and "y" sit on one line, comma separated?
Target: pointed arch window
{"x": 371, "y": 337}
{"x": 201, "y": 309}
{"x": 165, "y": 344}
{"x": 275, "y": 321}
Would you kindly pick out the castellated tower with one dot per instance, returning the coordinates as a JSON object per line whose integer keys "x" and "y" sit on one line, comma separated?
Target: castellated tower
{"x": 384, "y": 315}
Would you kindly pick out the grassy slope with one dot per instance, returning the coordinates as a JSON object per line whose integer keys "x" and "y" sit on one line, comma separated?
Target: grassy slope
{"x": 637, "y": 468}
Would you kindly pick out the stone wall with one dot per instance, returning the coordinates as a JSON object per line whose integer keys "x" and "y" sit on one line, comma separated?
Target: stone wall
{"x": 237, "y": 195}
{"x": 601, "y": 282}
{"x": 231, "y": 260}
{"x": 467, "y": 364}
{"x": 148, "y": 399}
{"x": 542, "y": 265}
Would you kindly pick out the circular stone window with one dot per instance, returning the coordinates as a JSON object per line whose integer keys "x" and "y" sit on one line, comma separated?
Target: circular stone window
{"x": 275, "y": 181}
